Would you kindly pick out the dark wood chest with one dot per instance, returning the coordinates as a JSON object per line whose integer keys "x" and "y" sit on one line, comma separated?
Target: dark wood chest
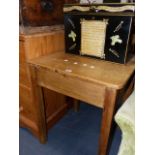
{"x": 42, "y": 12}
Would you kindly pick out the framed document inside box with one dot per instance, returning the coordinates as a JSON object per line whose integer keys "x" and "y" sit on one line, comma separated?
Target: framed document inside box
{"x": 100, "y": 30}
{"x": 93, "y": 33}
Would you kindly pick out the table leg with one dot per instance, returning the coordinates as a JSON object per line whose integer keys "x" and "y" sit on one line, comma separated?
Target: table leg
{"x": 76, "y": 105}
{"x": 40, "y": 107}
{"x": 107, "y": 118}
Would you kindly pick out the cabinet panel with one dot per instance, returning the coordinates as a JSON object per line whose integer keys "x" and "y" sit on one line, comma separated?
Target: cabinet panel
{"x": 53, "y": 101}
{"x": 25, "y": 100}
{"x": 44, "y": 44}
{"x": 24, "y": 75}
{"x": 22, "y": 57}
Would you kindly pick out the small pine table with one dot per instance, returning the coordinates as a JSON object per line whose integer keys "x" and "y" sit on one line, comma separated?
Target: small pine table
{"x": 97, "y": 82}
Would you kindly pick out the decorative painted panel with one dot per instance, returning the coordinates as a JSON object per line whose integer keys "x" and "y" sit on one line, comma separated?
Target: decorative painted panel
{"x": 87, "y": 34}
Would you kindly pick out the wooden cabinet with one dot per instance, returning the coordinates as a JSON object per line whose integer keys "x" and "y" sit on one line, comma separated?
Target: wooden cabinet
{"x": 35, "y": 42}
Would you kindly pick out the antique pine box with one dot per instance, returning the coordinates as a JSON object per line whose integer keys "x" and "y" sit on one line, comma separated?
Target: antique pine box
{"x": 101, "y": 31}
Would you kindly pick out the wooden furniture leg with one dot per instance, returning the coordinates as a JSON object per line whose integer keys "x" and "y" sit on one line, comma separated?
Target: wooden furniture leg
{"x": 39, "y": 103}
{"x": 107, "y": 119}
{"x": 76, "y": 105}
{"x": 129, "y": 89}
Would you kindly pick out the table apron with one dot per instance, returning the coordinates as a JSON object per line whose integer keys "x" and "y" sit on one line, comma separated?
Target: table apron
{"x": 72, "y": 86}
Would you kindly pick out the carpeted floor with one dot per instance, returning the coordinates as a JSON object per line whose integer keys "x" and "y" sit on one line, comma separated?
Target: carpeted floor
{"x": 74, "y": 134}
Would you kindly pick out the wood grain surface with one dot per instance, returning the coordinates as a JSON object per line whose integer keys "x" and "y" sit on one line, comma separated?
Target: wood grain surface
{"x": 35, "y": 42}
{"x": 93, "y": 81}
{"x": 42, "y": 12}
{"x": 101, "y": 72}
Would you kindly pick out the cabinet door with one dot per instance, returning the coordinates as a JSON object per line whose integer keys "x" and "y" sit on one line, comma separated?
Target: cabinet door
{"x": 24, "y": 78}
{"x": 26, "y": 106}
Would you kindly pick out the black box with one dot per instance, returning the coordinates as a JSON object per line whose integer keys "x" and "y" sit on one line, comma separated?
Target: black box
{"x": 102, "y": 31}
